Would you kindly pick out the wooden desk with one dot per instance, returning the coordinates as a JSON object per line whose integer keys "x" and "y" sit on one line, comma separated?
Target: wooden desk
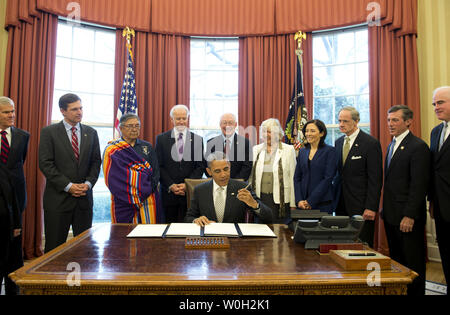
{"x": 112, "y": 264}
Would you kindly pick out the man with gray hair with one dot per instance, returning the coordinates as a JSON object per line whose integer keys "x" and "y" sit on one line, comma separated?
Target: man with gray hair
{"x": 230, "y": 198}
{"x": 360, "y": 173}
{"x": 236, "y": 147}
{"x": 406, "y": 179}
{"x": 439, "y": 193}
{"x": 14, "y": 147}
{"x": 180, "y": 156}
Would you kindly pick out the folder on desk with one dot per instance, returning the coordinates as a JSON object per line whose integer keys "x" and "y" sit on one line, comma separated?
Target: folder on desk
{"x": 252, "y": 229}
{"x": 183, "y": 230}
{"x": 148, "y": 230}
{"x": 220, "y": 229}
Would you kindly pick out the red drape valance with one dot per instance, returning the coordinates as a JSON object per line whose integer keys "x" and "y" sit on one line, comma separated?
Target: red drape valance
{"x": 225, "y": 17}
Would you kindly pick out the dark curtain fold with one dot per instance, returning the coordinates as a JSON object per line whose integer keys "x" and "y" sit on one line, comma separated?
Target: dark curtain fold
{"x": 162, "y": 69}
{"x": 266, "y": 78}
{"x": 29, "y": 81}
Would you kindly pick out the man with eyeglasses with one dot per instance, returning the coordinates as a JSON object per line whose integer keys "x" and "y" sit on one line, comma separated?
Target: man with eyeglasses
{"x": 131, "y": 170}
{"x": 439, "y": 194}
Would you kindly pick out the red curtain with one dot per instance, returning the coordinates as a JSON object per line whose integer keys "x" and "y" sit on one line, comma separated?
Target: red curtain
{"x": 162, "y": 69}
{"x": 266, "y": 78}
{"x": 29, "y": 81}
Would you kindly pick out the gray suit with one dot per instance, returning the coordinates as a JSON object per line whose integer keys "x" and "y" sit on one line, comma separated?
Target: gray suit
{"x": 60, "y": 167}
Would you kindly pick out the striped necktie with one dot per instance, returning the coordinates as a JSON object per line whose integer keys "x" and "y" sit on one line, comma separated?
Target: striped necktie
{"x": 5, "y": 148}
{"x": 75, "y": 147}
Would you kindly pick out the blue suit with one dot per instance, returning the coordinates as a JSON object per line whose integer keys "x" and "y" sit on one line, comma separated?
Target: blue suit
{"x": 313, "y": 182}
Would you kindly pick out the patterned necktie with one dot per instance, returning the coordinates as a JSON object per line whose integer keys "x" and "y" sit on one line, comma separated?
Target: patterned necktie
{"x": 346, "y": 150}
{"x": 5, "y": 148}
{"x": 180, "y": 145}
{"x": 442, "y": 139}
{"x": 227, "y": 148}
{"x": 219, "y": 204}
{"x": 391, "y": 152}
{"x": 75, "y": 147}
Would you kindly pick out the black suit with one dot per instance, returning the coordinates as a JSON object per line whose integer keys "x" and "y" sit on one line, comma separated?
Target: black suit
{"x": 240, "y": 155}
{"x": 10, "y": 246}
{"x": 16, "y": 159}
{"x": 405, "y": 188}
{"x": 202, "y": 204}
{"x": 60, "y": 167}
{"x": 440, "y": 195}
{"x": 174, "y": 171}
{"x": 359, "y": 180}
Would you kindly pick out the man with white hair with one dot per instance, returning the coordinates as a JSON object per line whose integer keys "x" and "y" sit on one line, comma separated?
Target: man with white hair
{"x": 14, "y": 147}
{"x": 180, "y": 156}
{"x": 439, "y": 194}
{"x": 236, "y": 147}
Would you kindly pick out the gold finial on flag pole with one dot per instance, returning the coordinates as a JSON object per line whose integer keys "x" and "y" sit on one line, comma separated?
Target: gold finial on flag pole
{"x": 128, "y": 32}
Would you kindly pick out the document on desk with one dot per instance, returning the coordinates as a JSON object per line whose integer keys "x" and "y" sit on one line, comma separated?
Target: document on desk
{"x": 252, "y": 229}
{"x": 220, "y": 229}
{"x": 183, "y": 230}
{"x": 148, "y": 230}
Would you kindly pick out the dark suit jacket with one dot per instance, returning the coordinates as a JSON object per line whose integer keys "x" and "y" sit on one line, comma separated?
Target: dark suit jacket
{"x": 406, "y": 182}
{"x": 202, "y": 204}
{"x": 173, "y": 171}
{"x": 439, "y": 191}
{"x": 9, "y": 210}
{"x": 360, "y": 180}
{"x": 241, "y": 155}
{"x": 58, "y": 164}
{"x": 314, "y": 183}
{"x": 16, "y": 159}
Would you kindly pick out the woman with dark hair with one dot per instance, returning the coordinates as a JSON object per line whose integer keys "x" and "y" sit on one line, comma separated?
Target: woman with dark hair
{"x": 316, "y": 167}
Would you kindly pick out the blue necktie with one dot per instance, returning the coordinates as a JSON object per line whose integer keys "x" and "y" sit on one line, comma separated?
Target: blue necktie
{"x": 391, "y": 152}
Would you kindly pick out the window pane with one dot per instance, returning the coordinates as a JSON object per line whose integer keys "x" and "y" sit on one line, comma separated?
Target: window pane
{"x": 323, "y": 109}
{"x": 63, "y": 70}
{"x": 341, "y": 75}
{"x": 345, "y": 48}
{"x": 83, "y": 44}
{"x": 82, "y": 76}
{"x": 344, "y": 79}
{"x": 101, "y": 109}
{"x": 104, "y": 78}
{"x": 64, "y": 41}
{"x": 214, "y": 82}
{"x": 105, "y": 45}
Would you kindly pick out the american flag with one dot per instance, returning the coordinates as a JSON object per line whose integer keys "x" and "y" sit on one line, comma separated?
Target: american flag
{"x": 128, "y": 99}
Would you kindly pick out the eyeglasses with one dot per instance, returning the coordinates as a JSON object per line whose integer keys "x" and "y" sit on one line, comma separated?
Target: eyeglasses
{"x": 132, "y": 126}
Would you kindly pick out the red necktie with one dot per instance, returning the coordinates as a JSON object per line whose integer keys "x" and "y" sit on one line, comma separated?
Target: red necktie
{"x": 5, "y": 148}
{"x": 75, "y": 143}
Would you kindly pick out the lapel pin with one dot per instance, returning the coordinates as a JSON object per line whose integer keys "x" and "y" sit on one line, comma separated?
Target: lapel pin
{"x": 402, "y": 148}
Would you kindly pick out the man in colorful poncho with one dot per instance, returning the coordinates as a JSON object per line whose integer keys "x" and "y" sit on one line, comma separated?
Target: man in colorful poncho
{"x": 131, "y": 173}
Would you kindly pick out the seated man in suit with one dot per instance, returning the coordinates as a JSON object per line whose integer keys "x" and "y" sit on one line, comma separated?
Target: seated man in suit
{"x": 223, "y": 200}
{"x": 236, "y": 147}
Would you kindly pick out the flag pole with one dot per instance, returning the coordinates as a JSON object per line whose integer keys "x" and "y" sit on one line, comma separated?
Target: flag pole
{"x": 299, "y": 115}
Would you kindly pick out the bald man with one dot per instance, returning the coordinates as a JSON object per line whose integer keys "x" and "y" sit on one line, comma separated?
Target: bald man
{"x": 180, "y": 156}
{"x": 439, "y": 195}
{"x": 236, "y": 147}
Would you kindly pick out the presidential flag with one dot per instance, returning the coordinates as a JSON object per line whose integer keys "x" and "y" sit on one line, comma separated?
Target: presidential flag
{"x": 297, "y": 116}
{"x": 128, "y": 99}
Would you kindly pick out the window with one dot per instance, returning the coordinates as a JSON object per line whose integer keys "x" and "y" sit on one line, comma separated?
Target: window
{"x": 85, "y": 60}
{"x": 341, "y": 77}
{"x": 214, "y": 83}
